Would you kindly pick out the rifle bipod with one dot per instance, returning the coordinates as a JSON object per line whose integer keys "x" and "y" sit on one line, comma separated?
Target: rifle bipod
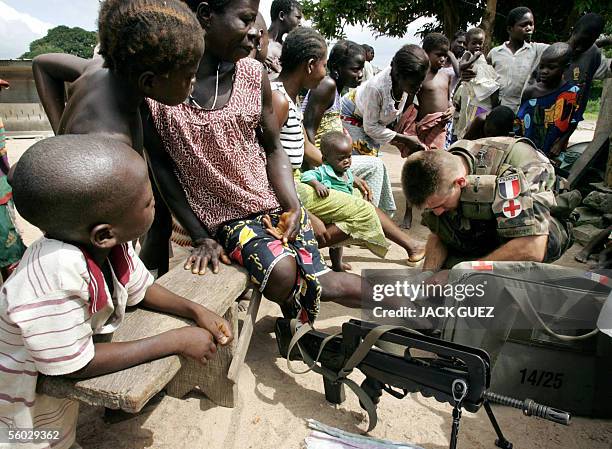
{"x": 460, "y": 389}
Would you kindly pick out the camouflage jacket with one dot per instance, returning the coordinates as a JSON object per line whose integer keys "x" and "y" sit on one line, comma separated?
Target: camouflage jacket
{"x": 509, "y": 194}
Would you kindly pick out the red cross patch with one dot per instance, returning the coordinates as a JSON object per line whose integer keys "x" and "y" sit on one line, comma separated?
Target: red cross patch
{"x": 512, "y": 208}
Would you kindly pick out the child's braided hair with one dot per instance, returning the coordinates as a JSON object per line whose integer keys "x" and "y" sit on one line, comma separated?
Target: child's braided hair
{"x": 342, "y": 52}
{"x": 141, "y": 35}
{"x": 301, "y": 45}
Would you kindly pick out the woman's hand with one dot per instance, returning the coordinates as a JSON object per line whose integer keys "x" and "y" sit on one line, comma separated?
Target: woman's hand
{"x": 409, "y": 144}
{"x": 363, "y": 187}
{"x": 287, "y": 228}
{"x": 206, "y": 251}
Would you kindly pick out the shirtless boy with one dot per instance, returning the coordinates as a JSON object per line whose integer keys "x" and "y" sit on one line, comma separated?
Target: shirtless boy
{"x": 428, "y": 120}
{"x": 434, "y": 110}
{"x": 149, "y": 49}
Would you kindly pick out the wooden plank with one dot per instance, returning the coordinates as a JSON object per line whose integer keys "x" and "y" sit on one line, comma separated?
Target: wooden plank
{"x": 245, "y": 336}
{"x": 130, "y": 389}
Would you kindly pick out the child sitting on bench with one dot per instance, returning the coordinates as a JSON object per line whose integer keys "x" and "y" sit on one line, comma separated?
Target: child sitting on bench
{"x": 335, "y": 173}
{"x": 91, "y": 197}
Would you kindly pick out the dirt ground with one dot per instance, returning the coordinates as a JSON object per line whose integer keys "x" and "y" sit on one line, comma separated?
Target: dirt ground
{"x": 274, "y": 403}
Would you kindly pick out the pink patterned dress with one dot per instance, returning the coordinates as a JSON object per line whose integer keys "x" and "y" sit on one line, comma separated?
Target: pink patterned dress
{"x": 220, "y": 163}
{"x": 222, "y": 169}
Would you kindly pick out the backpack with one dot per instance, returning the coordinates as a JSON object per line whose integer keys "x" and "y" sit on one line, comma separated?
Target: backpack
{"x": 543, "y": 341}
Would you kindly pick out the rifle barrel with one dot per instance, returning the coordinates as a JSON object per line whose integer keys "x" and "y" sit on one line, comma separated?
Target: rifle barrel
{"x": 530, "y": 408}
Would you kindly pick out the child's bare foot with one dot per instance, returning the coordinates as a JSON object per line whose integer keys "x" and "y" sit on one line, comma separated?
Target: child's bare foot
{"x": 416, "y": 253}
{"x": 342, "y": 267}
{"x": 335, "y": 254}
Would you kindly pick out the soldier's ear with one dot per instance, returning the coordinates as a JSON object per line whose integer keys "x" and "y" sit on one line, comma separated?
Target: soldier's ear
{"x": 461, "y": 182}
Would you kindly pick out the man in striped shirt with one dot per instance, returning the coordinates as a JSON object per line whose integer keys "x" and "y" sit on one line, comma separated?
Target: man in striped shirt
{"x": 91, "y": 196}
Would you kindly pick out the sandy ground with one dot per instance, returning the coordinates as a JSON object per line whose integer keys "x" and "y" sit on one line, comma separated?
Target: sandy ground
{"x": 274, "y": 403}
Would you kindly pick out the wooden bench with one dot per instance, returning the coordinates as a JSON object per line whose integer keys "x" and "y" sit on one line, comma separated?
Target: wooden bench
{"x": 130, "y": 389}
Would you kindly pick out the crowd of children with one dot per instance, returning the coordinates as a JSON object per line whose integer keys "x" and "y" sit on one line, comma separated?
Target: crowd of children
{"x": 545, "y": 86}
{"x": 251, "y": 175}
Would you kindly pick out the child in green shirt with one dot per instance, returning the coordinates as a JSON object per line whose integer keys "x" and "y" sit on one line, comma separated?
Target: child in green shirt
{"x": 335, "y": 173}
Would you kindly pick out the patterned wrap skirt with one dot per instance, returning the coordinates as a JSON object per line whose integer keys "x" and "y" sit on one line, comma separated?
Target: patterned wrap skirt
{"x": 247, "y": 243}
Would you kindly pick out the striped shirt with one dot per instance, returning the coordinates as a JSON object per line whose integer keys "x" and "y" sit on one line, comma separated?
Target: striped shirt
{"x": 292, "y": 133}
{"x": 50, "y": 308}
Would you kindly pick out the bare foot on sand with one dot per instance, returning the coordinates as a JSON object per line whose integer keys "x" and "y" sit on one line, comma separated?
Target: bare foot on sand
{"x": 335, "y": 254}
{"x": 417, "y": 252}
{"x": 342, "y": 267}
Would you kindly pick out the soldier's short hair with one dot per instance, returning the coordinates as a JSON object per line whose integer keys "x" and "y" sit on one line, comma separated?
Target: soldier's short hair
{"x": 425, "y": 173}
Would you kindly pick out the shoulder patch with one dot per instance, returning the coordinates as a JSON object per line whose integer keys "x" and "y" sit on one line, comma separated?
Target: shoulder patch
{"x": 509, "y": 186}
{"x": 512, "y": 208}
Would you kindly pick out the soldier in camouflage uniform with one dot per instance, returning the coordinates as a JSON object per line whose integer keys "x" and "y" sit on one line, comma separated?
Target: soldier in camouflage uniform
{"x": 486, "y": 199}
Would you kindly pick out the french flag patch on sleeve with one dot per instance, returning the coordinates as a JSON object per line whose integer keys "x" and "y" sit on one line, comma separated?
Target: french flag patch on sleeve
{"x": 509, "y": 186}
{"x": 604, "y": 280}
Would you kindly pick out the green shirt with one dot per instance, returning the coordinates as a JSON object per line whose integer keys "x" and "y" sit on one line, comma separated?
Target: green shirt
{"x": 326, "y": 175}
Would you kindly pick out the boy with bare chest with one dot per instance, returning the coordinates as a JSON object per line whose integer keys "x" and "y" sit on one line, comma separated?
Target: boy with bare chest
{"x": 148, "y": 48}
{"x": 428, "y": 120}
{"x": 106, "y": 93}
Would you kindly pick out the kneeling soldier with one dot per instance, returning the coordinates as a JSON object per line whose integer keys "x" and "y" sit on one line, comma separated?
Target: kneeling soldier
{"x": 486, "y": 199}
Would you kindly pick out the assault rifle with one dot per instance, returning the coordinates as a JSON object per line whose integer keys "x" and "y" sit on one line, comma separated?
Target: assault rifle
{"x": 457, "y": 374}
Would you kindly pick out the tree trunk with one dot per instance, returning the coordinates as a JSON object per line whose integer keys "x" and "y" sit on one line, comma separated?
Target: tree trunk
{"x": 488, "y": 22}
{"x": 450, "y": 18}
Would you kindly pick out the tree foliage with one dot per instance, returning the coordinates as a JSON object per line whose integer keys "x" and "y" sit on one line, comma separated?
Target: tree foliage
{"x": 392, "y": 17}
{"x": 554, "y": 22}
{"x": 61, "y": 39}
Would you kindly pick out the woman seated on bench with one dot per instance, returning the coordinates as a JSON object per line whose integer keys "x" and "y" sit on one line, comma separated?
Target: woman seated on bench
{"x": 345, "y": 215}
{"x": 235, "y": 194}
